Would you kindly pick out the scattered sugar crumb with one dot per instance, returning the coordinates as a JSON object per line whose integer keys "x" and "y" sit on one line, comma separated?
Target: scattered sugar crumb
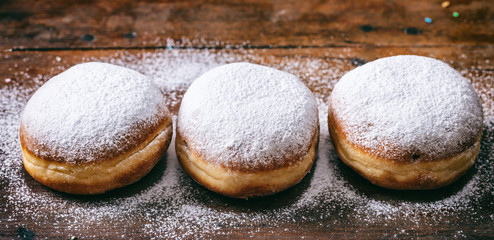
{"x": 168, "y": 204}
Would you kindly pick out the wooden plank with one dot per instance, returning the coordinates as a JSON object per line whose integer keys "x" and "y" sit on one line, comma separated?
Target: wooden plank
{"x": 29, "y": 68}
{"x": 259, "y": 24}
{"x": 22, "y": 66}
{"x": 319, "y": 68}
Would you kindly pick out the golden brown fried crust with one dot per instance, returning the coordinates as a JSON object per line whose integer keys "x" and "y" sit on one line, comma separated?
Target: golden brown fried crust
{"x": 404, "y": 174}
{"x": 394, "y": 153}
{"x": 238, "y": 183}
{"x": 236, "y": 165}
{"x": 141, "y": 133}
{"x": 101, "y": 176}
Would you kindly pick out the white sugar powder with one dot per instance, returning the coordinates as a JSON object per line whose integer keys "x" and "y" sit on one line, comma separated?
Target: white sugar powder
{"x": 90, "y": 110}
{"x": 412, "y": 105}
{"x": 168, "y": 204}
{"x": 248, "y": 116}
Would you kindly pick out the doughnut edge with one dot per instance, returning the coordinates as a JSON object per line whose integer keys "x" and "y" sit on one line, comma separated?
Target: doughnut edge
{"x": 241, "y": 184}
{"x": 99, "y": 177}
{"x": 403, "y": 175}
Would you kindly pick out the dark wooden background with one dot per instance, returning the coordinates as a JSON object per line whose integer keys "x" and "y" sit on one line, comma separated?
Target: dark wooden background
{"x": 34, "y": 33}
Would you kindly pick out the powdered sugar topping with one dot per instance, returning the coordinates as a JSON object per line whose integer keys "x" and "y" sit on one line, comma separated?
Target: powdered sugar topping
{"x": 168, "y": 204}
{"x": 412, "y": 105}
{"x": 90, "y": 111}
{"x": 248, "y": 115}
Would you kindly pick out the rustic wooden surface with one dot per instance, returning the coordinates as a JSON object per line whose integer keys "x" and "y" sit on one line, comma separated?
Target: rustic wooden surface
{"x": 128, "y": 23}
{"x": 33, "y": 34}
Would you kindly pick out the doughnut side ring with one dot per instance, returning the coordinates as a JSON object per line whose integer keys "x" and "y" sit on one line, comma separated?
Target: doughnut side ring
{"x": 242, "y": 184}
{"x": 403, "y": 175}
{"x": 99, "y": 177}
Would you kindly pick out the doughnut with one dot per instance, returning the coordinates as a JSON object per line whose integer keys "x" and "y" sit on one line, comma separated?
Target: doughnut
{"x": 246, "y": 130}
{"x": 93, "y": 128}
{"x": 406, "y": 122}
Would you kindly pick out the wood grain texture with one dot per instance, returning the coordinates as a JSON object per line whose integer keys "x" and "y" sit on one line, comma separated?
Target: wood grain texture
{"x": 128, "y": 23}
{"x": 49, "y": 36}
{"x": 28, "y": 69}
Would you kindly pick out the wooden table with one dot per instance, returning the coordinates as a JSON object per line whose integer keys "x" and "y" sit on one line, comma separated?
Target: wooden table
{"x": 317, "y": 40}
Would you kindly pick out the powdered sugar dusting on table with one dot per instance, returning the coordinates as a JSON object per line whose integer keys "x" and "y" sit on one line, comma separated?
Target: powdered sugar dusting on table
{"x": 91, "y": 110}
{"x": 248, "y": 116}
{"x": 167, "y": 204}
{"x": 411, "y": 105}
